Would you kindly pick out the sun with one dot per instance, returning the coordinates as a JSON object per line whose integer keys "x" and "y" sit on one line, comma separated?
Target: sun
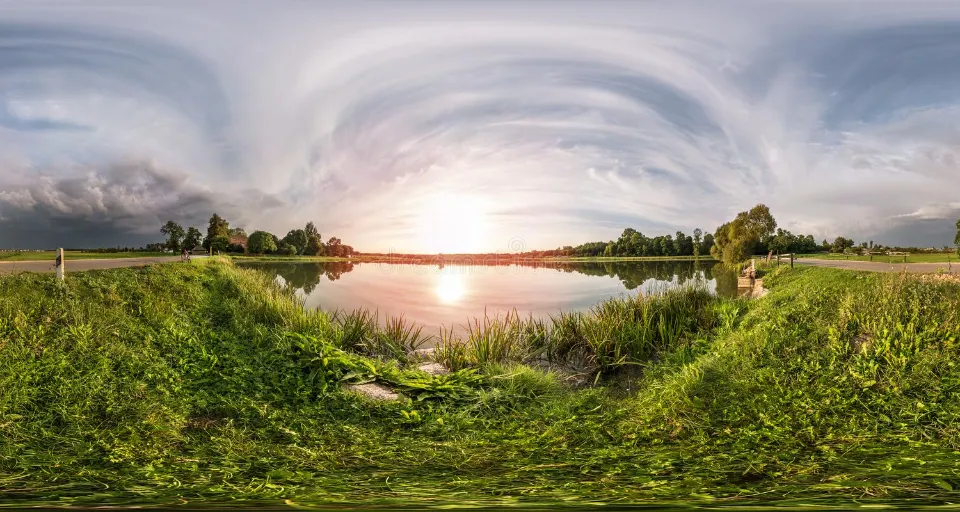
{"x": 453, "y": 224}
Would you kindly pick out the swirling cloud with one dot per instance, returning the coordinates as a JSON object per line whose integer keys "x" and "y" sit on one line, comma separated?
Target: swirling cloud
{"x": 554, "y": 126}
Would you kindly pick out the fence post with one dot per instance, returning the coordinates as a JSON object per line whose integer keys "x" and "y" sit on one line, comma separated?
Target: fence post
{"x": 60, "y": 264}
{"x": 791, "y": 260}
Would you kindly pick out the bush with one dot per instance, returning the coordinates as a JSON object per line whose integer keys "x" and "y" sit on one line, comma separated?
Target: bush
{"x": 261, "y": 242}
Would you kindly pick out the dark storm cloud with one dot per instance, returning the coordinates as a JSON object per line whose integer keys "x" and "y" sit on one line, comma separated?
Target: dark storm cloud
{"x": 115, "y": 206}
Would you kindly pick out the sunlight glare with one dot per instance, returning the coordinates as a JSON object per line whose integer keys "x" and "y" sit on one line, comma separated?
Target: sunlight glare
{"x": 450, "y": 287}
{"x": 453, "y": 223}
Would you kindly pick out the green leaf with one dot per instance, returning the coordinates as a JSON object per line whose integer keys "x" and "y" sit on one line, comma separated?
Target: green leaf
{"x": 943, "y": 484}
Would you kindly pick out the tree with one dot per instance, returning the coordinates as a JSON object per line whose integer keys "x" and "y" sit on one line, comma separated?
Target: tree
{"x": 261, "y": 242}
{"x": 175, "y": 235}
{"x": 193, "y": 238}
{"x": 840, "y": 244}
{"x": 697, "y": 237}
{"x": 219, "y": 243}
{"x": 296, "y": 238}
{"x": 781, "y": 242}
{"x": 666, "y": 245}
{"x": 237, "y": 232}
{"x": 314, "y": 242}
{"x": 334, "y": 246}
{"x": 218, "y": 228}
{"x": 956, "y": 239}
{"x": 735, "y": 241}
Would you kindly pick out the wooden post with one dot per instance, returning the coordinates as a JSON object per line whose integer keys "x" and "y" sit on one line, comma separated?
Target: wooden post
{"x": 791, "y": 260}
{"x": 60, "y": 264}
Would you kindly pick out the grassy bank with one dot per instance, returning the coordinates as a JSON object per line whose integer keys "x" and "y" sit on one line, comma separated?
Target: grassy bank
{"x": 204, "y": 382}
{"x": 910, "y": 258}
{"x": 706, "y": 257}
{"x": 283, "y": 258}
{"x": 75, "y": 255}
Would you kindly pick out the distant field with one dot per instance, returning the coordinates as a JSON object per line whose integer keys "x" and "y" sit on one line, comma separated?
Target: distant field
{"x": 911, "y": 258}
{"x": 76, "y": 255}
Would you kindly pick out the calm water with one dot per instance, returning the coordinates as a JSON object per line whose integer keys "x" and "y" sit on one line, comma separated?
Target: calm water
{"x": 449, "y": 296}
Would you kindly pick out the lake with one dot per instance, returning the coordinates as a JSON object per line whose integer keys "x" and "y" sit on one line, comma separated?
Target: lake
{"x": 432, "y": 295}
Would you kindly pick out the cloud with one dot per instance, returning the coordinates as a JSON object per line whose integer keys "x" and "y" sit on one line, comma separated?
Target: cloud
{"x": 567, "y": 124}
{"x": 123, "y": 202}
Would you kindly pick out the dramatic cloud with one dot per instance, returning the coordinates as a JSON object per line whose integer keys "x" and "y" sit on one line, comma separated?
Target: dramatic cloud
{"x": 405, "y": 126}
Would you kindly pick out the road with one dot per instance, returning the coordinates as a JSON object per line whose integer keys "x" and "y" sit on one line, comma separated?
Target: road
{"x": 13, "y": 267}
{"x": 875, "y": 266}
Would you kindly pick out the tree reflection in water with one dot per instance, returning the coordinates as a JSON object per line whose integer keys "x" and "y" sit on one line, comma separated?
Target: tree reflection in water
{"x": 306, "y": 276}
{"x": 303, "y": 276}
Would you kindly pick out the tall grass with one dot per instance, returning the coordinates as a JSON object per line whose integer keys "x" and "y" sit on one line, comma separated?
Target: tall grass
{"x": 616, "y": 333}
{"x": 360, "y": 331}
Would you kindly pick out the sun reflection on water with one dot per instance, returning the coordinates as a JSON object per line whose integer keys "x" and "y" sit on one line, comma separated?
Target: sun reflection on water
{"x": 450, "y": 287}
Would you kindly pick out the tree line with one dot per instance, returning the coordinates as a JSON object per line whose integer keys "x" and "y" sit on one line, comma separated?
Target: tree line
{"x": 751, "y": 232}
{"x": 221, "y": 237}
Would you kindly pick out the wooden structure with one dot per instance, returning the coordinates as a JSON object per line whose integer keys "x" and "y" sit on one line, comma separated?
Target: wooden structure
{"x": 60, "y": 264}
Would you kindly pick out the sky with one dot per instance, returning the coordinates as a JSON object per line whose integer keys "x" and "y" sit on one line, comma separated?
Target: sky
{"x": 426, "y": 126}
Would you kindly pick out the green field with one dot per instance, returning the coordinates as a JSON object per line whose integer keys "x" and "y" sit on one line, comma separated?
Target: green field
{"x": 75, "y": 255}
{"x": 910, "y": 258}
{"x": 207, "y": 384}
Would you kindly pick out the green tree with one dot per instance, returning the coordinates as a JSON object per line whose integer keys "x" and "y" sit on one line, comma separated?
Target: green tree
{"x": 782, "y": 242}
{"x": 841, "y": 244}
{"x": 736, "y": 240}
{"x": 193, "y": 238}
{"x": 956, "y": 239}
{"x": 175, "y": 235}
{"x": 297, "y": 238}
{"x": 334, "y": 247}
{"x": 219, "y": 243}
{"x": 666, "y": 245}
{"x": 697, "y": 239}
{"x": 237, "y": 232}
{"x": 314, "y": 242}
{"x": 260, "y": 242}
{"x": 217, "y": 228}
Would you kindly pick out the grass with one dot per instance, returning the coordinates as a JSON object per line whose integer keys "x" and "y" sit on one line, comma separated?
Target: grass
{"x": 910, "y": 258}
{"x": 617, "y": 333}
{"x": 205, "y": 383}
{"x": 281, "y": 257}
{"x": 75, "y": 255}
{"x": 704, "y": 257}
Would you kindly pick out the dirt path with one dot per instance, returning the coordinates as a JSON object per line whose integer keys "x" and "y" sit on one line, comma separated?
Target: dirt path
{"x": 13, "y": 267}
{"x": 875, "y": 266}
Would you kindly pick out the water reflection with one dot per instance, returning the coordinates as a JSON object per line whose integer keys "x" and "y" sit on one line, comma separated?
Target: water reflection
{"x": 449, "y": 295}
{"x": 304, "y": 276}
{"x": 450, "y": 287}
